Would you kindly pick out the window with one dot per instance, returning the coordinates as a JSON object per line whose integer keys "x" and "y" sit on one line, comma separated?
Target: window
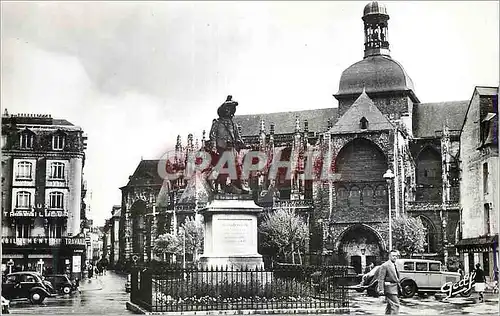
{"x": 421, "y": 266}
{"x": 28, "y": 278}
{"x": 434, "y": 266}
{"x": 23, "y": 230}
{"x": 367, "y": 195}
{"x": 363, "y": 123}
{"x": 26, "y": 140}
{"x": 58, "y": 142}
{"x": 55, "y": 230}
{"x": 380, "y": 195}
{"x": 24, "y": 170}
{"x": 56, "y": 200}
{"x": 485, "y": 178}
{"x": 487, "y": 218}
{"x": 354, "y": 196}
{"x": 12, "y": 279}
{"x": 57, "y": 170}
{"x": 342, "y": 194}
{"x": 409, "y": 266}
{"x": 23, "y": 199}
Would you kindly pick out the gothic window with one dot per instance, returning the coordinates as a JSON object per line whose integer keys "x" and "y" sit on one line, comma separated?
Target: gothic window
{"x": 56, "y": 200}
{"x": 367, "y": 195}
{"x": 23, "y": 199}
{"x": 380, "y": 195}
{"x": 342, "y": 194}
{"x": 57, "y": 170}
{"x": 58, "y": 142}
{"x": 430, "y": 235}
{"x": 24, "y": 170}
{"x": 26, "y": 140}
{"x": 354, "y": 196}
{"x": 363, "y": 123}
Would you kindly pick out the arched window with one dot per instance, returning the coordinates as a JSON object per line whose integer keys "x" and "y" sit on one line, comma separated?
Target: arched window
{"x": 56, "y": 200}
{"x": 23, "y": 199}
{"x": 342, "y": 194}
{"x": 24, "y": 170}
{"x": 363, "y": 123}
{"x": 355, "y": 196}
{"x": 380, "y": 195}
{"x": 430, "y": 235}
{"x": 367, "y": 195}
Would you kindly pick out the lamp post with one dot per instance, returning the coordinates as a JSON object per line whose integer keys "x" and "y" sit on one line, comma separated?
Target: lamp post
{"x": 389, "y": 176}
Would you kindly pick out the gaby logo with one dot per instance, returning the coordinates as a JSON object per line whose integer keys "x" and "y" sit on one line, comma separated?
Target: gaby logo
{"x": 461, "y": 287}
{"x": 311, "y": 165}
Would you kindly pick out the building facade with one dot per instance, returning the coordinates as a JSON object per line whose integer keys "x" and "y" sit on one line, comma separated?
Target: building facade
{"x": 42, "y": 193}
{"x": 379, "y": 124}
{"x": 479, "y": 182}
{"x": 111, "y": 237}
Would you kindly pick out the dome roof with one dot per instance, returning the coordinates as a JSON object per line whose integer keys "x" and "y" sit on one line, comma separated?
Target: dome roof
{"x": 375, "y": 74}
{"x": 374, "y": 7}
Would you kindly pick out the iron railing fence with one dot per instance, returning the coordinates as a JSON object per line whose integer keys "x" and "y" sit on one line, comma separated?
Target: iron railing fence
{"x": 178, "y": 289}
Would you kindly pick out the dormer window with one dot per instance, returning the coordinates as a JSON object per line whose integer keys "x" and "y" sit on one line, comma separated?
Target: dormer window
{"x": 363, "y": 123}
{"x": 58, "y": 142}
{"x": 26, "y": 140}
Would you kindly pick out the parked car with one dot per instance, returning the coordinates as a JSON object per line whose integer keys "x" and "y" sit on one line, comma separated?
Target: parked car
{"x": 62, "y": 284}
{"x": 5, "y": 306}
{"x": 416, "y": 276}
{"x": 25, "y": 285}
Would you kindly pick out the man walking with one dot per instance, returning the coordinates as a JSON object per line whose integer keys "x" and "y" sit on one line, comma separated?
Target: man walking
{"x": 388, "y": 283}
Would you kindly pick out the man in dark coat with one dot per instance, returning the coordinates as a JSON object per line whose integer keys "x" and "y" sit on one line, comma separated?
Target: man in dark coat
{"x": 388, "y": 283}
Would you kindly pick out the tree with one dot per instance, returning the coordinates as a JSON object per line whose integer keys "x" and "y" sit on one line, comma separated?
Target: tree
{"x": 167, "y": 244}
{"x": 408, "y": 234}
{"x": 192, "y": 230}
{"x": 284, "y": 232}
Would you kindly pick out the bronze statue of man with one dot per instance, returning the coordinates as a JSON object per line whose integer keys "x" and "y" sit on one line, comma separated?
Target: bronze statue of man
{"x": 224, "y": 136}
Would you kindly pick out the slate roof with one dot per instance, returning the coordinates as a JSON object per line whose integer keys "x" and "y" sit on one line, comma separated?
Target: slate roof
{"x": 375, "y": 74}
{"x": 284, "y": 122}
{"x": 362, "y": 107}
{"x": 145, "y": 174}
{"x": 430, "y": 117}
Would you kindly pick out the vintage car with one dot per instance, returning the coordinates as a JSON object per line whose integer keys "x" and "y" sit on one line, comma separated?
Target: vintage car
{"x": 61, "y": 283}
{"x": 25, "y": 285}
{"x": 416, "y": 276}
{"x": 5, "y": 306}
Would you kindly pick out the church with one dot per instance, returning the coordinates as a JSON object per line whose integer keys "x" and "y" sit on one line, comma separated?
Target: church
{"x": 393, "y": 153}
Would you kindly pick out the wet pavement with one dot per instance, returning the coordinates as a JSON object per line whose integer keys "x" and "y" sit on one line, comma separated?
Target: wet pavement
{"x": 361, "y": 304}
{"x": 104, "y": 295}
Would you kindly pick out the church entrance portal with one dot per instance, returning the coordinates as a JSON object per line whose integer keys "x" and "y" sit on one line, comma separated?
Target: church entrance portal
{"x": 359, "y": 246}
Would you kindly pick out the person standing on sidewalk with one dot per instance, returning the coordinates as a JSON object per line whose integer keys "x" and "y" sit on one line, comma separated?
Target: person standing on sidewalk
{"x": 388, "y": 283}
{"x": 480, "y": 282}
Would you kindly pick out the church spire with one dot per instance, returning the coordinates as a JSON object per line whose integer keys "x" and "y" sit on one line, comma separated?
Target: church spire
{"x": 375, "y": 18}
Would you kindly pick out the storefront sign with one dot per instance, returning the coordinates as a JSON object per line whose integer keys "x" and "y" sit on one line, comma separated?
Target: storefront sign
{"x": 40, "y": 255}
{"x": 77, "y": 264}
{"x": 12, "y": 256}
{"x": 463, "y": 286}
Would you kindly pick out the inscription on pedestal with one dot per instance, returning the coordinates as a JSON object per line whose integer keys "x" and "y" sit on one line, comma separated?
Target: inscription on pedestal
{"x": 235, "y": 235}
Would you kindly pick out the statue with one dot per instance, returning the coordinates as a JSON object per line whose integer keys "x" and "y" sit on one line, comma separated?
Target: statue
{"x": 224, "y": 136}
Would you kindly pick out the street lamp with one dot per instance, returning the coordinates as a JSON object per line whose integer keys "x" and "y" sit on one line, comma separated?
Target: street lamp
{"x": 389, "y": 176}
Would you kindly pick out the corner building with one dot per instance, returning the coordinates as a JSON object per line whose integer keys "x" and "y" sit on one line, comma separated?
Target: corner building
{"x": 42, "y": 194}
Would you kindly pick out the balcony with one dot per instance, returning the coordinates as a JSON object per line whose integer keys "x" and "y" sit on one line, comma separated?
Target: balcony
{"x": 47, "y": 241}
{"x": 55, "y": 213}
{"x": 23, "y": 212}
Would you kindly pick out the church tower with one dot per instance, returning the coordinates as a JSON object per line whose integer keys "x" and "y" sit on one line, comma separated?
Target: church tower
{"x": 383, "y": 78}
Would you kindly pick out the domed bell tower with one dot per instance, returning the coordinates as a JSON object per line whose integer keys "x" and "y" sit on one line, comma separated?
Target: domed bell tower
{"x": 375, "y": 18}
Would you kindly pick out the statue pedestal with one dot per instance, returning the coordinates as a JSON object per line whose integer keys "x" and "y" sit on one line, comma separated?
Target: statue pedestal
{"x": 231, "y": 234}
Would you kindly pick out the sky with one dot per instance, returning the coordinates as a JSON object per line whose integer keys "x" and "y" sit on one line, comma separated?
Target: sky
{"x": 134, "y": 75}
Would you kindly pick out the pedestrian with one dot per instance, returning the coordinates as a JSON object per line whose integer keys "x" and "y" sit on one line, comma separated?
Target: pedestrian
{"x": 461, "y": 270}
{"x": 388, "y": 283}
{"x": 480, "y": 282}
{"x": 90, "y": 269}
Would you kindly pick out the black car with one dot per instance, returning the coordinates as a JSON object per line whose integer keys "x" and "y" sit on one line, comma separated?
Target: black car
{"x": 61, "y": 283}
{"x": 25, "y": 285}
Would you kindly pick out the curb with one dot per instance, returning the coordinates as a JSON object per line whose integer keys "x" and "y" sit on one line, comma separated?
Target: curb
{"x": 138, "y": 310}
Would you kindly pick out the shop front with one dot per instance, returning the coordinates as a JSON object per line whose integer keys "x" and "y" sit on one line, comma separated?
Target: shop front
{"x": 482, "y": 250}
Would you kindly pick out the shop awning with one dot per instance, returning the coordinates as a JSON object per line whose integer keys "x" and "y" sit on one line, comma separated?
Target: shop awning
{"x": 477, "y": 243}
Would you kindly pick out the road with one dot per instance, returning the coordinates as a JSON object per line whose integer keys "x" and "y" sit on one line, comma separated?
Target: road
{"x": 106, "y": 296}
{"x": 102, "y": 296}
